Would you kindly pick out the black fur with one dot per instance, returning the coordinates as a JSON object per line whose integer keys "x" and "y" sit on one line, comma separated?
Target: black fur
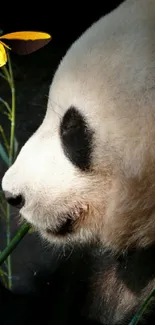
{"x": 65, "y": 295}
{"x": 55, "y": 298}
{"x": 16, "y": 201}
{"x": 76, "y": 139}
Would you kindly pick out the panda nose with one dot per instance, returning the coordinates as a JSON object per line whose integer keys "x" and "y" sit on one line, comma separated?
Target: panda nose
{"x": 15, "y": 201}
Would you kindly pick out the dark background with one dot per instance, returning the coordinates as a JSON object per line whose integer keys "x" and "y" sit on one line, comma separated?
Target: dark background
{"x": 33, "y": 75}
{"x": 64, "y": 20}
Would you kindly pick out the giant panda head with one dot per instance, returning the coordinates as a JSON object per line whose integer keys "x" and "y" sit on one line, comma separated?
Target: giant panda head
{"x": 88, "y": 172}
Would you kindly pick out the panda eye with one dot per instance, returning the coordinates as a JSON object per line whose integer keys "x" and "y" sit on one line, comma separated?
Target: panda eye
{"x": 76, "y": 138}
{"x": 71, "y": 122}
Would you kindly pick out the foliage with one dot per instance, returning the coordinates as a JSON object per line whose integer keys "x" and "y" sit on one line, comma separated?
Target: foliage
{"x": 8, "y": 151}
{"x": 21, "y": 43}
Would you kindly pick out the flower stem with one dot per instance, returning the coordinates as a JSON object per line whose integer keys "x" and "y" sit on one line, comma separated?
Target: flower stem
{"x": 8, "y": 234}
{"x": 12, "y": 134}
{"x": 10, "y": 79}
{"x": 11, "y": 152}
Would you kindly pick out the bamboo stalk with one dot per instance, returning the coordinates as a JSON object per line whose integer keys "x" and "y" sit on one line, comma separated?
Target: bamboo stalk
{"x": 143, "y": 308}
{"x": 14, "y": 242}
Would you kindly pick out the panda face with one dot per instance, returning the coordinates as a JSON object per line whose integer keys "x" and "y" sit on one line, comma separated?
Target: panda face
{"x": 59, "y": 190}
{"x": 56, "y": 175}
{"x": 87, "y": 173}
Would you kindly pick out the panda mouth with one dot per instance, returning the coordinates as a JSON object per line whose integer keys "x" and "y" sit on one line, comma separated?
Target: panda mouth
{"x": 70, "y": 222}
{"x": 67, "y": 227}
{"x": 67, "y": 224}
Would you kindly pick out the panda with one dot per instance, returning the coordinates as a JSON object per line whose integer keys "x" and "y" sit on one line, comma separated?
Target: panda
{"x": 86, "y": 178}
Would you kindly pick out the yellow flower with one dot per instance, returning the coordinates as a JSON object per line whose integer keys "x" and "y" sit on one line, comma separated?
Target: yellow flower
{"x": 22, "y": 43}
{"x": 3, "y": 56}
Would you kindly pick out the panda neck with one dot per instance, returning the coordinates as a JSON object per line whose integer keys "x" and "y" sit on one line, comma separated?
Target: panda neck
{"x": 122, "y": 283}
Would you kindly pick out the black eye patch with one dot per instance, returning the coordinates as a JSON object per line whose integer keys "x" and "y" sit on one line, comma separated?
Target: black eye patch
{"x": 76, "y": 139}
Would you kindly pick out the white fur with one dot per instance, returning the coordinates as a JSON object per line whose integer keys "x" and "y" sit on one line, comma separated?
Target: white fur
{"x": 109, "y": 75}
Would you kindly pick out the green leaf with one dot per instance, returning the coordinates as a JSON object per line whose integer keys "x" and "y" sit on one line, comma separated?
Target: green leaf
{"x": 4, "y": 155}
{"x": 7, "y": 107}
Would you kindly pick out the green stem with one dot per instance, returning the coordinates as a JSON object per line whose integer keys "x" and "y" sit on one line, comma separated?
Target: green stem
{"x": 6, "y": 105}
{"x": 8, "y": 234}
{"x": 12, "y": 113}
{"x": 143, "y": 308}
{"x": 12, "y": 132}
{"x": 4, "y": 139}
{"x": 2, "y": 276}
{"x": 14, "y": 242}
{"x": 6, "y": 74}
{"x": 10, "y": 79}
{"x": 2, "y": 209}
{"x": 5, "y": 264}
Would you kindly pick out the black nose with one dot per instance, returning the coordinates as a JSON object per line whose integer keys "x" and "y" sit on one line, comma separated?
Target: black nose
{"x": 15, "y": 201}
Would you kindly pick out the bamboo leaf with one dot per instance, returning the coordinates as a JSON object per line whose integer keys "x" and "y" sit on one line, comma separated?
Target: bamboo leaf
{"x": 2, "y": 76}
{"x": 4, "y": 139}
{"x": 4, "y": 155}
{"x": 5, "y": 104}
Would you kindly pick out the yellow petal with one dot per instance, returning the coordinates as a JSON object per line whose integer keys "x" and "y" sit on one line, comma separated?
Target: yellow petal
{"x": 26, "y": 35}
{"x": 3, "y": 56}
